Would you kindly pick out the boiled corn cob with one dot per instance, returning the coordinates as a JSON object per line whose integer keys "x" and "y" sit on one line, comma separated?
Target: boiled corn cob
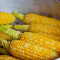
{"x": 24, "y": 50}
{"x": 44, "y": 28}
{"x": 35, "y": 27}
{"x": 7, "y": 57}
{"x": 32, "y": 37}
{"x": 29, "y": 18}
{"x": 6, "y": 18}
{"x": 4, "y": 51}
{"x": 26, "y": 28}
{"x": 41, "y": 40}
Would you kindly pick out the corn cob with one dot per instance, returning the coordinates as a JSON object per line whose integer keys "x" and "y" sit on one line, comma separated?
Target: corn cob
{"x": 41, "y": 40}
{"x": 24, "y": 50}
{"x": 29, "y": 18}
{"x": 32, "y": 37}
{"x": 6, "y": 18}
{"x": 4, "y": 51}
{"x": 44, "y": 28}
{"x": 35, "y": 27}
{"x": 26, "y": 28}
{"x": 7, "y": 57}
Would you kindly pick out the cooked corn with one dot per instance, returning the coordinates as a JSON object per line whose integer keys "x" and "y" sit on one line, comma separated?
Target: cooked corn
{"x": 33, "y": 37}
{"x": 41, "y": 40}
{"x": 26, "y": 28}
{"x": 6, "y": 18}
{"x": 7, "y": 57}
{"x": 35, "y": 27}
{"x": 24, "y": 50}
{"x": 29, "y": 18}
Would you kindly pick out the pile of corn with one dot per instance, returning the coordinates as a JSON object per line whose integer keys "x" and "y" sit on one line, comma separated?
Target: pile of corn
{"x": 41, "y": 41}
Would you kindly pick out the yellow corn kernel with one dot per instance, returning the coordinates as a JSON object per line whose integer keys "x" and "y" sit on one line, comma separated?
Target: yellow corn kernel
{"x": 35, "y": 27}
{"x": 7, "y": 57}
{"x": 6, "y": 18}
{"x": 24, "y": 50}
{"x": 41, "y": 40}
{"x": 29, "y": 18}
{"x": 4, "y": 36}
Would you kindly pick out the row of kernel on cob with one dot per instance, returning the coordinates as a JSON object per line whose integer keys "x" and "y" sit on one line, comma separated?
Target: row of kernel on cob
{"x": 32, "y": 37}
{"x": 26, "y": 50}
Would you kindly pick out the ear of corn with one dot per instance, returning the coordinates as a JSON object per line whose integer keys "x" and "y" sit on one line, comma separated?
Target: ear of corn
{"x": 29, "y": 18}
{"x": 7, "y": 57}
{"x": 41, "y": 40}
{"x": 4, "y": 51}
{"x": 35, "y": 27}
{"x": 24, "y": 50}
{"x": 41, "y": 19}
{"x": 6, "y": 18}
{"x": 10, "y": 32}
{"x": 43, "y": 33}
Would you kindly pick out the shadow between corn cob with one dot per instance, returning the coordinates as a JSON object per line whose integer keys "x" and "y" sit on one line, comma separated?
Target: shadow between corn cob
{"x": 24, "y": 50}
{"x": 32, "y": 37}
{"x": 29, "y": 18}
{"x": 4, "y": 51}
